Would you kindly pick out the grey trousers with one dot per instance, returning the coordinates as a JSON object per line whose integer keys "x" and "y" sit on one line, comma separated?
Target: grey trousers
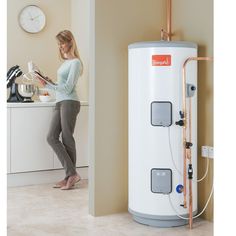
{"x": 63, "y": 122}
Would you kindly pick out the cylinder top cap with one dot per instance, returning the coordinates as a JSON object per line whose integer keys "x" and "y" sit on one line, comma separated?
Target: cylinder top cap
{"x": 151, "y": 44}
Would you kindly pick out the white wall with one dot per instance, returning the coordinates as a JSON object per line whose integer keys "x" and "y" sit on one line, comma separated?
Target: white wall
{"x": 80, "y": 29}
{"x": 41, "y": 47}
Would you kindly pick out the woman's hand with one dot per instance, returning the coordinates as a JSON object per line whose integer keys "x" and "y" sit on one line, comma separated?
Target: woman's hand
{"x": 42, "y": 82}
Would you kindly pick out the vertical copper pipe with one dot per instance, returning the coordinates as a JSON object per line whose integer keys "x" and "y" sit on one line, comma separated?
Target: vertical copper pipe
{"x": 190, "y": 205}
{"x": 169, "y": 3}
{"x": 190, "y": 134}
{"x": 190, "y": 121}
{"x": 166, "y": 34}
{"x": 190, "y": 162}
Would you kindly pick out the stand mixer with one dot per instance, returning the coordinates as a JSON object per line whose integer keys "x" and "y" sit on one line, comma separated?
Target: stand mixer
{"x": 19, "y": 92}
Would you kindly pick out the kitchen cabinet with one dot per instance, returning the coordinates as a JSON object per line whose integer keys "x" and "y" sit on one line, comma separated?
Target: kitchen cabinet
{"x": 27, "y": 147}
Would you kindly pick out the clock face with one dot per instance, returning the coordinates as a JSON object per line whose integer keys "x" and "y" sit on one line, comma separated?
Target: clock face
{"x": 32, "y": 19}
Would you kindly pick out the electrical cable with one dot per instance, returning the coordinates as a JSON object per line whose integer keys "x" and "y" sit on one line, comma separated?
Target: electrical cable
{"x": 206, "y": 172}
{"x": 204, "y": 208}
{"x": 171, "y": 153}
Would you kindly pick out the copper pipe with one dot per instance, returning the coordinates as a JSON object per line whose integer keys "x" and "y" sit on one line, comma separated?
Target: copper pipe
{"x": 169, "y": 19}
{"x": 187, "y": 122}
{"x": 190, "y": 121}
{"x": 190, "y": 162}
{"x": 190, "y": 204}
{"x": 166, "y": 34}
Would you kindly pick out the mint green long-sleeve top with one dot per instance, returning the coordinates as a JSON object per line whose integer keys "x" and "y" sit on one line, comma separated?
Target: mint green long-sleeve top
{"x": 67, "y": 78}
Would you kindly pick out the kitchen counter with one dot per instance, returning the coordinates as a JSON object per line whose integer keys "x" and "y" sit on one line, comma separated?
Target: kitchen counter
{"x": 38, "y": 104}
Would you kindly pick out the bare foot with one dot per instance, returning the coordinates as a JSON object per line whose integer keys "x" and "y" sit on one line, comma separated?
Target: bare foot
{"x": 71, "y": 182}
{"x": 60, "y": 184}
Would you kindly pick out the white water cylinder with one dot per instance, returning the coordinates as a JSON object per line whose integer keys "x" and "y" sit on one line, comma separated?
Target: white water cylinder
{"x": 155, "y": 141}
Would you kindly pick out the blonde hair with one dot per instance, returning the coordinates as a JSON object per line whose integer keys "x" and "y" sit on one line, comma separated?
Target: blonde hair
{"x": 66, "y": 36}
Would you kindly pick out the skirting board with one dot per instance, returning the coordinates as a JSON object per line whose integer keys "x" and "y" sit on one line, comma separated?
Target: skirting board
{"x": 41, "y": 177}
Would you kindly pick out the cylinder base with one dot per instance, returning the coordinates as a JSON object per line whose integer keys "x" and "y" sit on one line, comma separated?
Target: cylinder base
{"x": 159, "y": 221}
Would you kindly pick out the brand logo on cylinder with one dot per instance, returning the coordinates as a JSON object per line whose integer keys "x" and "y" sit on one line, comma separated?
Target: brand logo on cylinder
{"x": 161, "y": 60}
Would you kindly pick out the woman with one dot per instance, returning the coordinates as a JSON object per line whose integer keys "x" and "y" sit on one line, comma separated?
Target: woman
{"x": 67, "y": 109}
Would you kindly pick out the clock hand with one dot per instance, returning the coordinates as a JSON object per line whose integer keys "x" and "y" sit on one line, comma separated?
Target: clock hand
{"x": 36, "y": 17}
{"x": 31, "y": 18}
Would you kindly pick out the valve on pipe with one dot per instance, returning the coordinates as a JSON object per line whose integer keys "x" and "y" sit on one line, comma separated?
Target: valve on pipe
{"x": 181, "y": 121}
{"x": 190, "y": 171}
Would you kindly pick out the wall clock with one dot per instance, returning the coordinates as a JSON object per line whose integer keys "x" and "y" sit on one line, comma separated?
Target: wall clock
{"x": 32, "y": 19}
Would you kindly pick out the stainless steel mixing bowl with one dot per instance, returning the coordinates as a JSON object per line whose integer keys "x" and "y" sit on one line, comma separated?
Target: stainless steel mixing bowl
{"x": 27, "y": 90}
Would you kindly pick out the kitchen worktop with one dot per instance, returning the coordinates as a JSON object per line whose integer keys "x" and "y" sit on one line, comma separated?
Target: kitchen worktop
{"x": 38, "y": 104}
